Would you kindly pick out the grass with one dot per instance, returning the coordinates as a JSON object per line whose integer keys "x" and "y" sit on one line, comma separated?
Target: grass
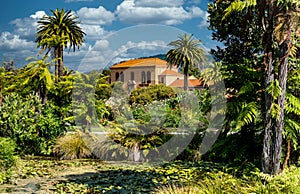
{"x": 94, "y": 176}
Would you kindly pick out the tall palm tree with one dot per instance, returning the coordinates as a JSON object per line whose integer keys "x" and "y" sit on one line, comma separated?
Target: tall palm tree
{"x": 186, "y": 51}
{"x": 58, "y": 32}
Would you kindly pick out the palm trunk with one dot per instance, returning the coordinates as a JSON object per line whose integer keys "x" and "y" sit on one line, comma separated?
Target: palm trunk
{"x": 61, "y": 62}
{"x": 56, "y": 56}
{"x": 186, "y": 73}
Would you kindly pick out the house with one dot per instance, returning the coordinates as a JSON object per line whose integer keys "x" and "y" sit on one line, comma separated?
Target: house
{"x": 146, "y": 71}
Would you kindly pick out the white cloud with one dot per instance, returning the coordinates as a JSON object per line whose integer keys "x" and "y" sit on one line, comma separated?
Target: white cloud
{"x": 101, "y": 55}
{"x": 38, "y": 15}
{"x": 24, "y": 27}
{"x": 93, "y": 31}
{"x": 95, "y": 16}
{"x": 156, "y": 12}
{"x": 159, "y": 3}
{"x": 204, "y": 24}
{"x": 11, "y": 42}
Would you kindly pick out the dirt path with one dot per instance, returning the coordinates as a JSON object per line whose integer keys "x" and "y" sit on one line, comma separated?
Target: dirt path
{"x": 41, "y": 185}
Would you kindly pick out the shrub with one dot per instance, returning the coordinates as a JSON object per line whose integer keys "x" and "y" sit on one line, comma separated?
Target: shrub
{"x": 72, "y": 146}
{"x": 7, "y": 158}
{"x": 151, "y": 93}
{"x": 34, "y": 127}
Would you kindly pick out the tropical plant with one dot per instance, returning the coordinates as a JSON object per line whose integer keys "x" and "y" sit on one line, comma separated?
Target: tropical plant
{"x": 31, "y": 125}
{"x": 7, "y": 158}
{"x": 84, "y": 98}
{"x": 36, "y": 77}
{"x": 72, "y": 146}
{"x": 276, "y": 19}
{"x": 186, "y": 52}
{"x": 58, "y": 32}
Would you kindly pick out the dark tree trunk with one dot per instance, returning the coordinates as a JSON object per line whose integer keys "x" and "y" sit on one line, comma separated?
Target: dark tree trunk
{"x": 56, "y": 56}
{"x": 61, "y": 62}
{"x": 288, "y": 154}
{"x": 186, "y": 74}
{"x": 269, "y": 68}
{"x": 282, "y": 79}
{"x": 272, "y": 145}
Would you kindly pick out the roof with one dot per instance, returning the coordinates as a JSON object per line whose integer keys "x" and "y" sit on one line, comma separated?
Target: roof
{"x": 191, "y": 83}
{"x": 146, "y": 62}
{"x": 171, "y": 72}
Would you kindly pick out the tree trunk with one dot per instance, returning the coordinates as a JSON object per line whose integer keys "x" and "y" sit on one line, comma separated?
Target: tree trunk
{"x": 61, "y": 62}
{"x": 288, "y": 153}
{"x": 269, "y": 68}
{"x": 186, "y": 74}
{"x": 56, "y": 56}
{"x": 282, "y": 79}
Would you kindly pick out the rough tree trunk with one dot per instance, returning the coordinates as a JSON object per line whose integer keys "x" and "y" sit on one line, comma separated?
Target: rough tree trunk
{"x": 61, "y": 62}
{"x": 269, "y": 68}
{"x": 288, "y": 153}
{"x": 186, "y": 74}
{"x": 56, "y": 56}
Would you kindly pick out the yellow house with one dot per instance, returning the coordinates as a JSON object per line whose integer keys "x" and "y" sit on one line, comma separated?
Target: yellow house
{"x": 146, "y": 71}
{"x": 143, "y": 71}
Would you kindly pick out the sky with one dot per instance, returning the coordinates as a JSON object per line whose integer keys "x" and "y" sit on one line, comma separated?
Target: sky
{"x": 116, "y": 30}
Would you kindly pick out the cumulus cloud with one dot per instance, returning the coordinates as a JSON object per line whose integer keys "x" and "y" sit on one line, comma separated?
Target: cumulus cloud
{"x": 93, "y": 31}
{"x": 159, "y": 3}
{"x": 95, "y": 16}
{"x": 26, "y": 27}
{"x": 156, "y": 12}
{"x": 204, "y": 24}
{"x": 13, "y": 42}
{"x": 102, "y": 55}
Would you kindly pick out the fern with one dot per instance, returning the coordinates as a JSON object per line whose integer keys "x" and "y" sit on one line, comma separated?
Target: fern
{"x": 248, "y": 114}
{"x": 292, "y": 104}
{"x": 238, "y": 6}
{"x": 274, "y": 89}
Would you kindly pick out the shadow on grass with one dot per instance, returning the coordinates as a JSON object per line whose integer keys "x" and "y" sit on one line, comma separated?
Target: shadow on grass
{"x": 115, "y": 180}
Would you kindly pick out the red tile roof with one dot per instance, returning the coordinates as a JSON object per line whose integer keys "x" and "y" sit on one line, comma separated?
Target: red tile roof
{"x": 141, "y": 63}
{"x": 171, "y": 72}
{"x": 191, "y": 83}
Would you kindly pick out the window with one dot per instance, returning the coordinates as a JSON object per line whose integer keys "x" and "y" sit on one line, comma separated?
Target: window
{"x": 162, "y": 80}
{"x": 143, "y": 77}
{"x": 148, "y": 77}
{"x": 117, "y": 76}
{"x": 132, "y": 75}
{"x": 122, "y": 77}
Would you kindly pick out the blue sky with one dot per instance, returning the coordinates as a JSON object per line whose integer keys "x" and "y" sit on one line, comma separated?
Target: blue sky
{"x": 116, "y": 30}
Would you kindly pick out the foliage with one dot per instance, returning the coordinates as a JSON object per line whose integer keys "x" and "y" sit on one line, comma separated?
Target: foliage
{"x": 186, "y": 51}
{"x": 34, "y": 127}
{"x": 152, "y": 93}
{"x": 7, "y": 158}
{"x": 58, "y": 32}
{"x": 72, "y": 146}
{"x": 199, "y": 177}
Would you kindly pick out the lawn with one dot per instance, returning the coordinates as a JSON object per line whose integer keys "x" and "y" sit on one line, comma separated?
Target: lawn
{"x": 40, "y": 175}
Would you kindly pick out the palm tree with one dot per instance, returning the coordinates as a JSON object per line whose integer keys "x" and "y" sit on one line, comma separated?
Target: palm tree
{"x": 57, "y": 32}
{"x": 186, "y": 51}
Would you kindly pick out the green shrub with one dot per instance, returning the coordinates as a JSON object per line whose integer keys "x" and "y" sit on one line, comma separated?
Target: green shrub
{"x": 33, "y": 126}
{"x": 72, "y": 146}
{"x": 7, "y": 158}
{"x": 151, "y": 93}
